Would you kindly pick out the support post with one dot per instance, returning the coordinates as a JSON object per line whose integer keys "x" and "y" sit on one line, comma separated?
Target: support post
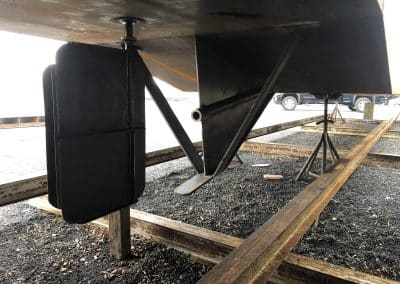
{"x": 325, "y": 135}
{"x": 173, "y": 122}
{"x": 119, "y": 233}
{"x": 119, "y": 223}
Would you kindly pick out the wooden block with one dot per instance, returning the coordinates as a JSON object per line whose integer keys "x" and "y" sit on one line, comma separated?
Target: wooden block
{"x": 273, "y": 177}
{"x": 119, "y": 233}
{"x": 261, "y": 165}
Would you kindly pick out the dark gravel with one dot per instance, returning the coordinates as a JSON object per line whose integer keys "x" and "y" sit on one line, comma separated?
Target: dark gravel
{"x": 395, "y": 127}
{"x": 359, "y": 229}
{"x": 388, "y": 146}
{"x": 44, "y": 249}
{"x": 235, "y": 202}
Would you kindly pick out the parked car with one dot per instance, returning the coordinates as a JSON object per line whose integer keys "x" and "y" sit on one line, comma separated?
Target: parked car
{"x": 289, "y": 101}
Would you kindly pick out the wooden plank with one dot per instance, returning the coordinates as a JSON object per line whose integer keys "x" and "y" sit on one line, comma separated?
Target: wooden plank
{"x": 349, "y": 131}
{"x": 22, "y": 125}
{"x": 212, "y": 246}
{"x": 23, "y": 189}
{"x": 207, "y": 245}
{"x": 168, "y": 154}
{"x": 382, "y": 159}
{"x": 18, "y": 122}
{"x": 282, "y": 126}
{"x": 28, "y": 188}
{"x": 119, "y": 233}
{"x": 262, "y": 252}
{"x": 361, "y": 120}
{"x": 192, "y": 184}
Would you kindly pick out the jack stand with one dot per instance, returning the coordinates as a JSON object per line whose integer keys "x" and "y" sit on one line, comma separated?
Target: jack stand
{"x": 336, "y": 114}
{"x": 325, "y": 142}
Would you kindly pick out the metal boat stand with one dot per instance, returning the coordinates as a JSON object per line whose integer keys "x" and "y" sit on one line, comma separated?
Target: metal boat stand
{"x": 336, "y": 114}
{"x": 326, "y": 144}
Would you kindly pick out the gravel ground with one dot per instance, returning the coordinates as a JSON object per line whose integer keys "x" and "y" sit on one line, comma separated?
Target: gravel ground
{"x": 387, "y": 145}
{"x": 235, "y": 202}
{"x": 44, "y": 249}
{"x": 396, "y": 126}
{"x": 359, "y": 229}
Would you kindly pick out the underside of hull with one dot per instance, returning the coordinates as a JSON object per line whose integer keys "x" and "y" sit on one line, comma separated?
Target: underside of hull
{"x": 237, "y": 31}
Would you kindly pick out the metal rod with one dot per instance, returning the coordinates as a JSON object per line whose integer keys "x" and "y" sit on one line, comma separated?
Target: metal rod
{"x": 332, "y": 147}
{"x": 136, "y": 112}
{"x": 173, "y": 122}
{"x": 119, "y": 222}
{"x": 256, "y": 110}
{"x": 306, "y": 167}
{"x": 325, "y": 134}
{"x": 238, "y": 158}
{"x": 202, "y": 113}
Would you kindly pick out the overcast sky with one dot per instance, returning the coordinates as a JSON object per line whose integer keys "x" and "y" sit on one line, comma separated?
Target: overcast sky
{"x": 22, "y": 61}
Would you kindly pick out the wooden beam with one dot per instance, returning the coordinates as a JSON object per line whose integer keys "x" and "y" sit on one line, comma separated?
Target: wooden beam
{"x": 358, "y": 120}
{"x": 340, "y": 130}
{"x": 18, "y": 122}
{"x": 382, "y": 159}
{"x": 211, "y": 247}
{"x": 168, "y": 154}
{"x": 22, "y": 125}
{"x": 23, "y": 189}
{"x": 28, "y": 188}
{"x": 172, "y": 153}
{"x": 263, "y": 251}
{"x": 282, "y": 126}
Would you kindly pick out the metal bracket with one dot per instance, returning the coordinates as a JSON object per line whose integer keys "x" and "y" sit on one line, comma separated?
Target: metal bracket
{"x": 336, "y": 114}
{"x": 257, "y": 109}
{"x": 173, "y": 122}
{"x": 192, "y": 184}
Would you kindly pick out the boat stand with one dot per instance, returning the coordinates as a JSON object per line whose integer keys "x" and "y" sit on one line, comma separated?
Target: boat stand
{"x": 325, "y": 142}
